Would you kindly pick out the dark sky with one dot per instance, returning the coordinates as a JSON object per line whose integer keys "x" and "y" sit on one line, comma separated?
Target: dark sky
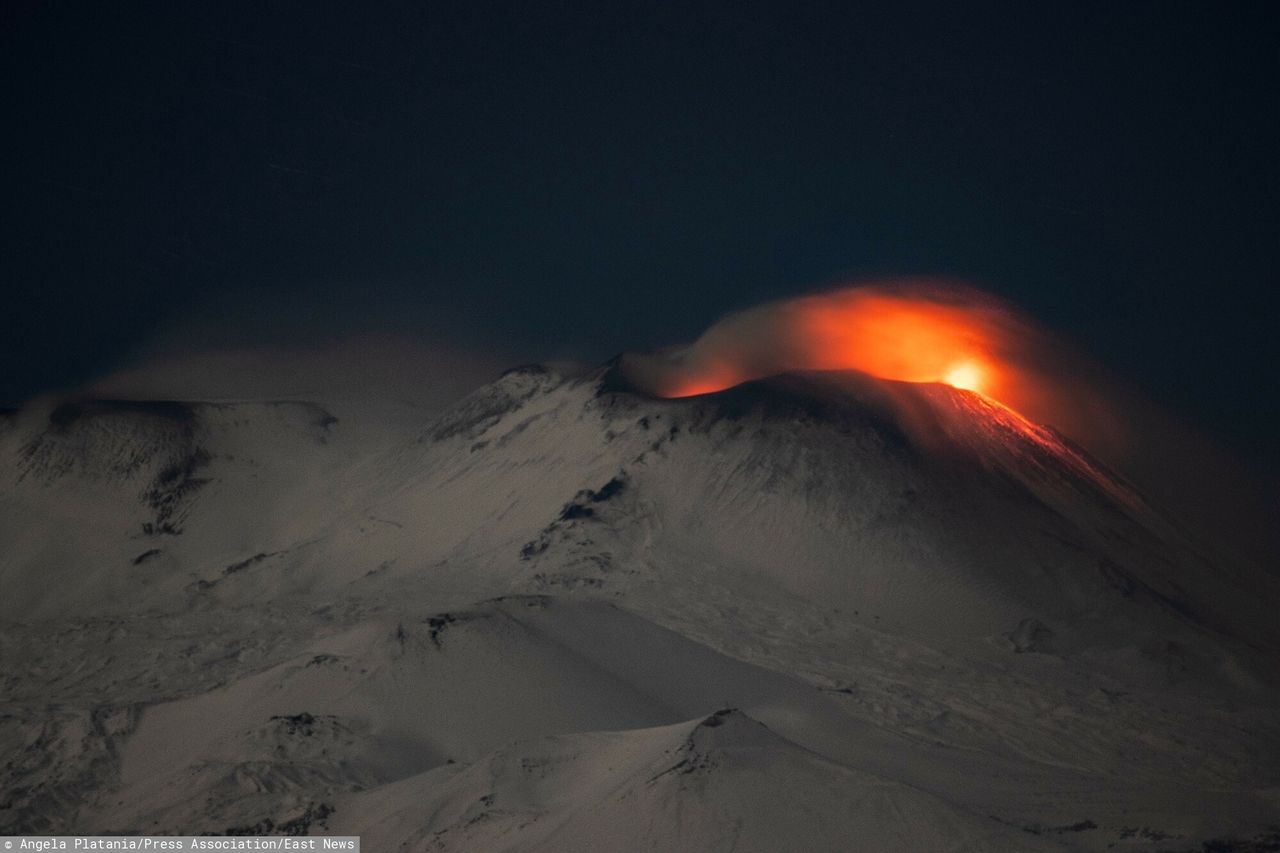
{"x": 582, "y": 180}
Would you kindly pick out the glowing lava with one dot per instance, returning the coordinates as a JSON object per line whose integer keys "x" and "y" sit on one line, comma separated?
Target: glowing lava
{"x": 917, "y": 336}
{"x": 966, "y": 375}
{"x": 921, "y": 331}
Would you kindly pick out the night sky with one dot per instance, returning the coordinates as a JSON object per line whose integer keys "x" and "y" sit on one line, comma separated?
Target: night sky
{"x": 577, "y": 181}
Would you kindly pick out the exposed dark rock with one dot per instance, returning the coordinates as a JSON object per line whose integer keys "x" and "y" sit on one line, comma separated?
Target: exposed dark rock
{"x": 252, "y": 561}
{"x": 1031, "y": 635}
{"x": 436, "y": 625}
{"x": 578, "y": 507}
{"x": 297, "y": 724}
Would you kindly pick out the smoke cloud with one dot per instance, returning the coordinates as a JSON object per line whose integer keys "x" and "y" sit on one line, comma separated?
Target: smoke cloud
{"x": 945, "y": 332}
{"x": 908, "y": 331}
{"x": 370, "y": 367}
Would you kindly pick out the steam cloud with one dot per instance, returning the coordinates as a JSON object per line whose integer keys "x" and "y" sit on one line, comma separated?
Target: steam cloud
{"x": 426, "y": 375}
{"x": 909, "y": 331}
{"x": 951, "y": 333}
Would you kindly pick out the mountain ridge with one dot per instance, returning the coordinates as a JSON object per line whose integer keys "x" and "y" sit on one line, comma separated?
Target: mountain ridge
{"x": 974, "y": 612}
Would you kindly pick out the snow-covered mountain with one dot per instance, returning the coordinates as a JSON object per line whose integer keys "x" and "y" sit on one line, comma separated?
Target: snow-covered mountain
{"x": 816, "y": 611}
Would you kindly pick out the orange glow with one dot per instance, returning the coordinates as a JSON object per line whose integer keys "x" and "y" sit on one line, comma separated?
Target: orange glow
{"x": 882, "y": 333}
{"x": 966, "y": 375}
{"x": 922, "y": 331}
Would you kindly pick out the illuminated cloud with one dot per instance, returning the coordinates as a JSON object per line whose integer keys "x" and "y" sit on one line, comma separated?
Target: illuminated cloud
{"x": 907, "y": 331}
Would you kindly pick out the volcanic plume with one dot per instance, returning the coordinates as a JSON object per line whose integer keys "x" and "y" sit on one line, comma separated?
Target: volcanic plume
{"x": 907, "y": 331}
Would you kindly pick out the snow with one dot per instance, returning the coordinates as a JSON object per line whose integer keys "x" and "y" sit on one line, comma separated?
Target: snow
{"x": 813, "y": 612}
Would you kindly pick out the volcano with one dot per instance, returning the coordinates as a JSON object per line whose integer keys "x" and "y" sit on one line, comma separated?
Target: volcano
{"x": 817, "y": 610}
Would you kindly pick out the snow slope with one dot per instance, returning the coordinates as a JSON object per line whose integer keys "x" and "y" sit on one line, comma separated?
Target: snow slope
{"x": 522, "y": 626}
